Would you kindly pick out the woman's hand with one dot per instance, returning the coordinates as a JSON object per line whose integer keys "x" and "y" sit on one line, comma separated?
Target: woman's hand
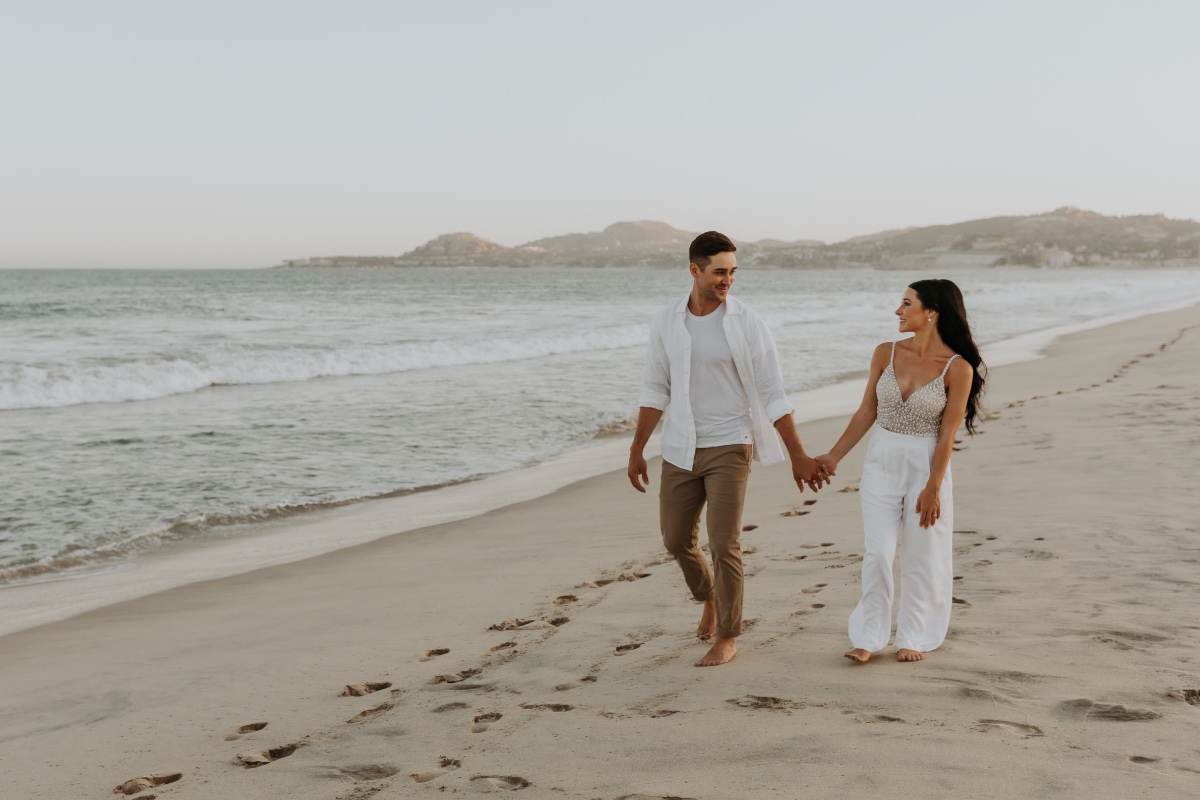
{"x": 929, "y": 506}
{"x": 829, "y": 463}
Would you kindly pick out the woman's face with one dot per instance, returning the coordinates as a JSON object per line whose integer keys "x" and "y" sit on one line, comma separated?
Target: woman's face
{"x": 911, "y": 313}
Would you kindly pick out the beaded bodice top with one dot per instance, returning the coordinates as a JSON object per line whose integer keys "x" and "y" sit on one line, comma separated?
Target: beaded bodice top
{"x": 921, "y": 413}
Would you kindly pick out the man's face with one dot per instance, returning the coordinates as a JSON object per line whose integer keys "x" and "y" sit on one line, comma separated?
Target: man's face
{"x": 714, "y": 281}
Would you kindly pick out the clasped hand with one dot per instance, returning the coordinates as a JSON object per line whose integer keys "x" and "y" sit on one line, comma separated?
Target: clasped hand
{"x": 809, "y": 472}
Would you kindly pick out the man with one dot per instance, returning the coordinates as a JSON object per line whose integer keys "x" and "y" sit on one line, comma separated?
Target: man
{"x": 713, "y": 369}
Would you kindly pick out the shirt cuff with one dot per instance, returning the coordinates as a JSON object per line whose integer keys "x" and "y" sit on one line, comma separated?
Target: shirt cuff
{"x": 653, "y": 400}
{"x": 779, "y": 408}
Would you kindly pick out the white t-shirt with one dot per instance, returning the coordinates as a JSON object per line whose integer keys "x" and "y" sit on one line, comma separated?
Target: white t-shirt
{"x": 719, "y": 405}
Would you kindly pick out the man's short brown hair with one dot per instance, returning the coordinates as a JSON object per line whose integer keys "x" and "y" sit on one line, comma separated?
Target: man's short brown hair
{"x": 707, "y": 245}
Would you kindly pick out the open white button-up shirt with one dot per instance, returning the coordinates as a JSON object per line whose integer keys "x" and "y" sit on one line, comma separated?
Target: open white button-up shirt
{"x": 667, "y": 381}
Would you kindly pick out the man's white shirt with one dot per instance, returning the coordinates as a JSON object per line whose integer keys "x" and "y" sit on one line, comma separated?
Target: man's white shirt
{"x": 668, "y": 381}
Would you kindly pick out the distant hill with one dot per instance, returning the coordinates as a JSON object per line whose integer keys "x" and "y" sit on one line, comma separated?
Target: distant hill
{"x": 1064, "y": 237}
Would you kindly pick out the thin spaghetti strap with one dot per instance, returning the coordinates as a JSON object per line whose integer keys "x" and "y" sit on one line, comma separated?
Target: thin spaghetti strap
{"x": 892, "y": 360}
{"x": 947, "y": 367}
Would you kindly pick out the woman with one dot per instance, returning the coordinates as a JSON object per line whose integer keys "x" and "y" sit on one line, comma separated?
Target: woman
{"x": 919, "y": 392}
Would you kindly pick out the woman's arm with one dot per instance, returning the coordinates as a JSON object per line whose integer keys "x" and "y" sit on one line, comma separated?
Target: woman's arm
{"x": 958, "y": 389}
{"x": 864, "y": 417}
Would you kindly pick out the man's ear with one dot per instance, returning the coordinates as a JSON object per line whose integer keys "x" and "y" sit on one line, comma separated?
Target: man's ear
{"x": 695, "y": 270}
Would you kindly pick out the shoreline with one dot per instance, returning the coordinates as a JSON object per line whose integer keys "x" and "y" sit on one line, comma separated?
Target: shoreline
{"x": 539, "y": 643}
{"x": 229, "y": 550}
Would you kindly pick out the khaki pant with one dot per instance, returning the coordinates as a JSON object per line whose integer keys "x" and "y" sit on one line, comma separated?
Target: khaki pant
{"x": 718, "y": 477}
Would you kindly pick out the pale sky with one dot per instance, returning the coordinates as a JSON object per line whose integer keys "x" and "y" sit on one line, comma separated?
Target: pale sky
{"x": 236, "y": 134}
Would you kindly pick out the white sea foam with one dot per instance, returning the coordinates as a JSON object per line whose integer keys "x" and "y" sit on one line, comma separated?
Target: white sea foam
{"x": 24, "y": 386}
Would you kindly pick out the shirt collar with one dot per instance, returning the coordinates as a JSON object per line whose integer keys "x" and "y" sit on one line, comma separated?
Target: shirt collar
{"x": 732, "y": 304}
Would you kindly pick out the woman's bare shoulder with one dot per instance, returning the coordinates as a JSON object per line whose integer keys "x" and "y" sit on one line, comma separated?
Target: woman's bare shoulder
{"x": 959, "y": 368}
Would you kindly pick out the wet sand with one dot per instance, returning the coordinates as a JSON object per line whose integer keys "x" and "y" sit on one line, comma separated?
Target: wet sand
{"x": 1070, "y": 670}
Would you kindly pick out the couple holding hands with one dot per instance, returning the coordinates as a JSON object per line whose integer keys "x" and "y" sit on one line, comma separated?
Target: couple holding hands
{"x": 713, "y": 372}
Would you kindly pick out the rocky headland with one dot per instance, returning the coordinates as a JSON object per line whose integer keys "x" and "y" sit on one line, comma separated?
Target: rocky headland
{"x": 1061, "y": 238}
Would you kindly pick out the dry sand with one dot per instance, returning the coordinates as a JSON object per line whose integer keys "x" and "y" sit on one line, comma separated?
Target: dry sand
{"x": 1071, "y": 669}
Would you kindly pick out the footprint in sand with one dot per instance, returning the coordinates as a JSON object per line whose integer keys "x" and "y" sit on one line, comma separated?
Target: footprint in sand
{"x": 563, "y": 599}
{"x": 242, "y": 730}
{"x": 1083, "y": 708}
{"x": 1117, "y": 643}
{"x": 457, "y": 677}
{"x": 484, "y": 721}
{"x": 871, "y": 719}
{"x": 450, "y": 707}
{"x": 652, "y": 797}
{"x": 1025, "y": 731}
{"x": 499, "y": 783}
{"x": 360, "y": 689}
{"x": 258, "y": 758}
{"x": 633, "y": 576}
{"x": 502, "y": 646}
{"x": 622, "y": 649}
{"x": 368, "y": 772}
{"x": 845, "y": 489}
{"x": 547, "y": 707}
{"x": 1144, "y": 759}
{"x": 814, "y": 588}
{"x": 370, "y": 712}
{"x": 510, "y": 625}
{"x": 596, "y": 584}
{"x": 958, "y": 601}
{"x": 1190, "y": 696}
{"x": 563, "y": 687}
{"x": 434, "y": 653}
{"x": 976, "y": 693}
{"x": 795, "y": 512}
{"x": 135, "y": 785}
{"x": 746, "y": 528}
{"x": 760, "y": 702}
{"x": 444, "y": 765}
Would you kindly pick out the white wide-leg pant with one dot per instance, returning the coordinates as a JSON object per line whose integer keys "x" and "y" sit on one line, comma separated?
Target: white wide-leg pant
{"x": 894, "y": 474}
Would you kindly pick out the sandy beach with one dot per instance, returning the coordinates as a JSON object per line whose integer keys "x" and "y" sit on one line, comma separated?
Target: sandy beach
{"x": 546, "y": 647}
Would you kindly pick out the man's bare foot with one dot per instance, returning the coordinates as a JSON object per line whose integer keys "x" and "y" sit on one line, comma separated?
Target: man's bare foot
{"x": 904, "y": 654}
{"x": 722, "y": 652}
{"x": 708, "y": 619}
{"x": 859, "y": 655}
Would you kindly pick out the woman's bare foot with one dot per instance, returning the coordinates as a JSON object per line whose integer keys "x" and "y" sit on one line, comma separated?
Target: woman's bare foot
{"x": 904, "y": 654}
{"x": 722, "y": 652}
{"x": 859, "y": 655}
{"x": 708, "y": 620}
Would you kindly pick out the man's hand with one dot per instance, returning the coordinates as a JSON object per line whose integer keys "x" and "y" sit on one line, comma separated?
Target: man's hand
{"x": 637, "y": 471}
{"x": 808, "y": 471}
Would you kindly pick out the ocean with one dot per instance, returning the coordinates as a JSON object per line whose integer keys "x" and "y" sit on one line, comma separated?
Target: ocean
{"x": 140, "y": 410}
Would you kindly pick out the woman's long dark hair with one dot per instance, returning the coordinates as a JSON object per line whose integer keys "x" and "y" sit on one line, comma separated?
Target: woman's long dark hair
{"x": 942, "y": 296}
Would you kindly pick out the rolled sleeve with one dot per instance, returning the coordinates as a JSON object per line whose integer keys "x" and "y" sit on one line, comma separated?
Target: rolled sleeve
{"x": 768, "y": 376}
{"x": 656, "y": 383}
